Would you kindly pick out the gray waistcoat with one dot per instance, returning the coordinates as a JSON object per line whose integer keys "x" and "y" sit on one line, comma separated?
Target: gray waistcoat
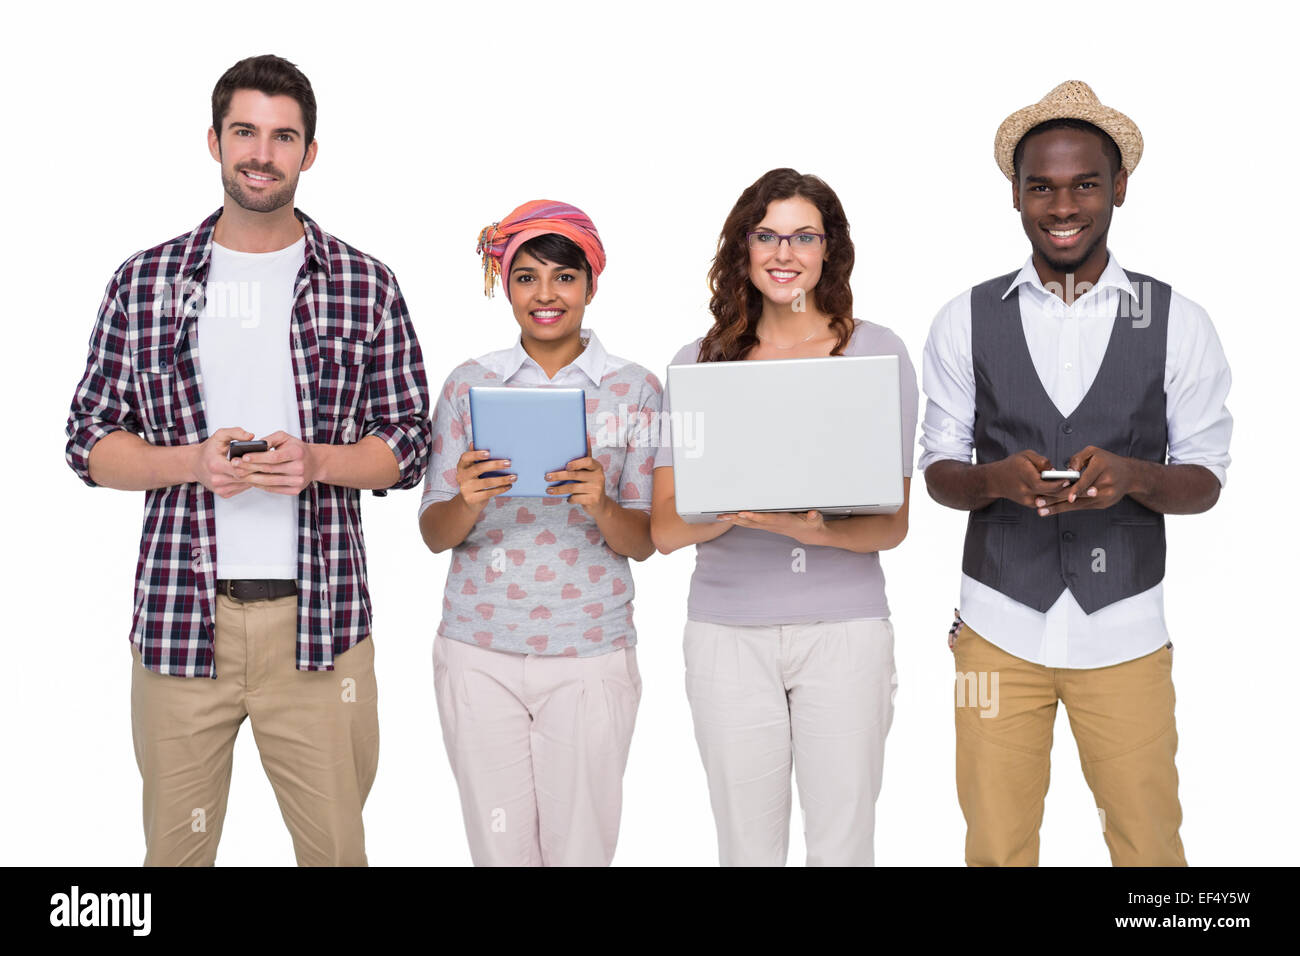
{"x": 1102, "y": 556}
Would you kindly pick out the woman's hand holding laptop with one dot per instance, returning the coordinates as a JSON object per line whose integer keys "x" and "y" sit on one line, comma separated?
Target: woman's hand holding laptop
{"x": 804, "y": 527}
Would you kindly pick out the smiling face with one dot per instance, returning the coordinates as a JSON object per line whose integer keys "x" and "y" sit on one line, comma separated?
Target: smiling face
{"x": 781, "y": 273}
{"x": 1066, "y": 192}
{"x": 261, "y": 150}
{"x": 548, "y": 299}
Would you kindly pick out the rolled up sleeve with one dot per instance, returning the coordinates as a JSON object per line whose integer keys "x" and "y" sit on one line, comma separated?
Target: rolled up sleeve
{"x": 397, "y": 395}
{"x": 948, "y": 381}
{"x": 1197, "y": 382}
{"x": 102, "y": 402}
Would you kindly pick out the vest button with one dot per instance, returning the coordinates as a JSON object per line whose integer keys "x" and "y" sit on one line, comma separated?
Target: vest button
{"x": 1068, "y": 536}
{"x": 1067, "y": 428}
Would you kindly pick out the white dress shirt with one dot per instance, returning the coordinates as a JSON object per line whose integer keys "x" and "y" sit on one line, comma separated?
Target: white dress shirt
{"x": 517, "y": 367}
{"x": 1067, "y": 343}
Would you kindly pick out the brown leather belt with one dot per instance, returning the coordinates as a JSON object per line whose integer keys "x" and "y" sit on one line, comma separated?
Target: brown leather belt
{"x": 259, "y": 590}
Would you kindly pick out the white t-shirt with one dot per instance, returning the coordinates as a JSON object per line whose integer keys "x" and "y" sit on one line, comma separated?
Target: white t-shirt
{"x": 247, "y": 376}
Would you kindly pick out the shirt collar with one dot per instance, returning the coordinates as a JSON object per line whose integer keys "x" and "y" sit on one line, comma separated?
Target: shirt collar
{"x": 591, "y": 360}
{"x": 1113, "y": 276}
{"x": 198, "y": 246}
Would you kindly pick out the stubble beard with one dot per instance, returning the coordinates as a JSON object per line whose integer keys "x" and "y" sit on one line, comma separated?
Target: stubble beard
{"x": 267, "y": 202}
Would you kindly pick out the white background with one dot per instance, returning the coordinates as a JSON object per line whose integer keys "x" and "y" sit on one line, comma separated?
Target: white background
{"x": 436, "y": 120}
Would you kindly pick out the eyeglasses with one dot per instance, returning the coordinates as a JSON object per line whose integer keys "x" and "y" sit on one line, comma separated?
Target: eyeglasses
{"x": 799, "y": 241}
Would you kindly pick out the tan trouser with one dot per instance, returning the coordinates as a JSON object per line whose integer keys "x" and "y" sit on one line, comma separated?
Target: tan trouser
{"x": 1123, "y": 722}
{"x": 538, "y": 745}
{"x": 317, "y": 732}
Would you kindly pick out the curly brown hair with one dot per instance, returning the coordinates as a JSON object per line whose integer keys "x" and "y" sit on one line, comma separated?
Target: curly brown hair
{"x": 736, "y": 304}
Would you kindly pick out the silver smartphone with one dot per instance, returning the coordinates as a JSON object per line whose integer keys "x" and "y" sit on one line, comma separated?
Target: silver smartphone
{"x": 1060, "y": 475}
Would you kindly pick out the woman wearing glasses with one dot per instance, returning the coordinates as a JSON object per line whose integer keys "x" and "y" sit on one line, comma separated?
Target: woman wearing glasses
{"x": 534, "y": 663}
{"x": 789, "y": 647}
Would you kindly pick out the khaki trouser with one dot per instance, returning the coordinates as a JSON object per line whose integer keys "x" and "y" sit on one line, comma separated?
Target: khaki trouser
{"x": 538, "y": 745}
{"x": 317, "y": 732}
{"x": 1123, "y": 722}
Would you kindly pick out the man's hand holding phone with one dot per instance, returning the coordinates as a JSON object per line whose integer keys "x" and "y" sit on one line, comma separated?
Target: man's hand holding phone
{"x": 1104, "y": 479}
{"x": 1020, "y": 478}
{"x": 213, "y": 467}
{"x": 289, "y": 466}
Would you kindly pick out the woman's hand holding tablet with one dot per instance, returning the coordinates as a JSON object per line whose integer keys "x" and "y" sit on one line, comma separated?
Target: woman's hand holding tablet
{"x": 475, "y": 489}
{"x": 584, "y": 484}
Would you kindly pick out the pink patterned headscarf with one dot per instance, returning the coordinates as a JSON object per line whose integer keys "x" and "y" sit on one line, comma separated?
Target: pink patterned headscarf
{"x": 499, "y": 242}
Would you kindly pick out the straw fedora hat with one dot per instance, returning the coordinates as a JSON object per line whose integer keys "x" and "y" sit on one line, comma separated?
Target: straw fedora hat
{"x": 1073, "y": 99}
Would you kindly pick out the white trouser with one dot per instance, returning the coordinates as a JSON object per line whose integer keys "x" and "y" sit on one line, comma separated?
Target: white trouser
{"x": 538, "y": 745}
{"x": 820, "y": 694}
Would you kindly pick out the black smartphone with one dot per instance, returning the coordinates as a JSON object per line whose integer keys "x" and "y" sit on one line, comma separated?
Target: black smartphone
{"x": 238, "y": 449}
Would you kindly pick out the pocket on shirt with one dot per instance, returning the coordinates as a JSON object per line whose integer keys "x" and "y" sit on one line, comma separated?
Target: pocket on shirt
{"x": 342, "y": 375}
{"x": 155, "y": 376}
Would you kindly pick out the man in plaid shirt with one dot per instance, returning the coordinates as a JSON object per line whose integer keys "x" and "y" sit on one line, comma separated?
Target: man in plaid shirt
{"x": 256, "y": 325}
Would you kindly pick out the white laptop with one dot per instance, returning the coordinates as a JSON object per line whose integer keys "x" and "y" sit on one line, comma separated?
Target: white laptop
{"x": 818, "y": 434}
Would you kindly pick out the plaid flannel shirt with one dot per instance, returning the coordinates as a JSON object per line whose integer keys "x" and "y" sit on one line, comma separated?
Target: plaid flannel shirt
{"x": 358, "y": 371}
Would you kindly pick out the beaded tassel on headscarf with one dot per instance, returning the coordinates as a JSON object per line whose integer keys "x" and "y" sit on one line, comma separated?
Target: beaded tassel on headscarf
{"x": 491, "y": 263}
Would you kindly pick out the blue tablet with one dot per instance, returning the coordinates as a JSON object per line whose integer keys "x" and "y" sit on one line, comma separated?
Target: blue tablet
{"x": 539, "y": 429}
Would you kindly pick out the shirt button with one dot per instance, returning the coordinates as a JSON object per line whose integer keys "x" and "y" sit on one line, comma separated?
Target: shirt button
{"x": 1067, "y": 428}
{"x": 1068, "y": 366}
{"x": 1068, "y": 536}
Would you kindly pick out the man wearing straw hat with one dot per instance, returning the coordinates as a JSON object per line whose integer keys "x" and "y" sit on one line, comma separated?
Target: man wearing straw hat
{"x": 1070, "y": 364}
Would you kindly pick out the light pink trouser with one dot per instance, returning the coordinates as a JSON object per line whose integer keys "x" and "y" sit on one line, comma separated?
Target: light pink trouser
{"x": 538, "y": 745}
{"x": 817, "y": 695}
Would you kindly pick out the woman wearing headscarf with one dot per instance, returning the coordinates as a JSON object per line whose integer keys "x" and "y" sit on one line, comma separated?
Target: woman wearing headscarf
{"x": 534, "y": 662}
{"x": 788, "y": 644}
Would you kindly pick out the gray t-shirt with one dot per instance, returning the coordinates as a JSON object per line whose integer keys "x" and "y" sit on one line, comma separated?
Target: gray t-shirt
{"x": 747, "y": 576}
{"x": 534, "y": 575}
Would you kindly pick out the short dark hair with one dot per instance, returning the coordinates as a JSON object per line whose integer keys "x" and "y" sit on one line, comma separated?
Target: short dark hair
{"x": 1108, "y": 144}
{"x": 269, "y": 74}
{"x": 558, "y": 250}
